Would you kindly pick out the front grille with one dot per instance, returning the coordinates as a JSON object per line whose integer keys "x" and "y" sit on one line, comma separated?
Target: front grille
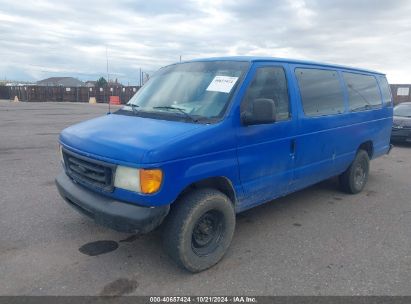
{"x": 88, "y": 171}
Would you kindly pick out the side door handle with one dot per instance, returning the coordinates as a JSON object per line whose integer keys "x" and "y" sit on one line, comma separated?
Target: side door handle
{"x": 293, "y": 146}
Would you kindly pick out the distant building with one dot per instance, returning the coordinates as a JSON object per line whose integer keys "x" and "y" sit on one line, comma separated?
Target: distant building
{"x": 90, "y": 83}
{"x": 60, "y": 81}
{"x": 114, "y": 83}
{"x": 401, "y": 93}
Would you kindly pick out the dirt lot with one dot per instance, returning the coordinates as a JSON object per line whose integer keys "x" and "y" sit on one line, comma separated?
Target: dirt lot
{"x": 316, "y": 241}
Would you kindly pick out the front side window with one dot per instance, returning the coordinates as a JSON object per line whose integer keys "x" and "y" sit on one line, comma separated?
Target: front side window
{"x": 193, "y": 91}
{"x": 269, "y": 84}
{"x": 363, "y": 92}
{"x": 321, "y": 92}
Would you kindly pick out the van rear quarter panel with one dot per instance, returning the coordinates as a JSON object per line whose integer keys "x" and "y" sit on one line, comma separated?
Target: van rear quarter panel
{"x": 326, "y": 146}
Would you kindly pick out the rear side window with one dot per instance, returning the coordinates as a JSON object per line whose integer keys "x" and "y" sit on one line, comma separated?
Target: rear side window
{"x": 385, "y": 89}
{"x": 321, "y": 92}
{"x": 269, "y": 83}
{"x": 363, "y": 92}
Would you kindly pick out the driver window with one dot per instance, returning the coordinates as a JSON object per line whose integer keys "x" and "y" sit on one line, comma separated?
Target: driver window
{"x": 269, "y": 83}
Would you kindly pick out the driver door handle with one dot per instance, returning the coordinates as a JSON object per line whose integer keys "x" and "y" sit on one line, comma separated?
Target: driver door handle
{"x": 293, "y": 146}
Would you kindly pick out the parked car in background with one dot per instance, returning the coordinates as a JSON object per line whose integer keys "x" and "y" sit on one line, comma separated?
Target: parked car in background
{"x": 206, "y": 139}
{"x": 401, "y": 126}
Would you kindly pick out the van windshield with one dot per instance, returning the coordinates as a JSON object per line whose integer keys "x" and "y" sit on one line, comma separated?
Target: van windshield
{"x": 193, "y": 91}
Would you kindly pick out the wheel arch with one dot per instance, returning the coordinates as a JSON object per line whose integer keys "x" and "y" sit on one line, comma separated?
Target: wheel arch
{"x": 220, "y": 183}
{"x": 367, "y": 146}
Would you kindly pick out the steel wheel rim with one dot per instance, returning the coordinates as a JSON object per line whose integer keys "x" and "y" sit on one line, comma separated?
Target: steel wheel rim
{"x": 360, "y": 174}
{"x": 207, "y": 233}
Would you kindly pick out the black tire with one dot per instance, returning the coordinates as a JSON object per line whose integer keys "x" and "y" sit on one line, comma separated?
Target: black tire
{"x": 199, "y": 228}
{"x": 353, "y": 180}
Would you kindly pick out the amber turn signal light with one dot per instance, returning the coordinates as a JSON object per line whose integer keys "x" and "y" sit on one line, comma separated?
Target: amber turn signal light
{"x": 150, "y": 180}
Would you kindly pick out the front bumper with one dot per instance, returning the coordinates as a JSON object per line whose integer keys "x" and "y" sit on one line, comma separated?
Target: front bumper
{"x": 117, "y": 215}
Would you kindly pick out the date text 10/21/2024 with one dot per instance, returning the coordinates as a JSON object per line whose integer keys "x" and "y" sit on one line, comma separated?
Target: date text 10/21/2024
{"x": 204, "y": 299}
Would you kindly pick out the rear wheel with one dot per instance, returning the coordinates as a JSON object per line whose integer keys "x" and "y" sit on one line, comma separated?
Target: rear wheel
{"x": 353, "y": 180}
{"x": 199, "y": 228}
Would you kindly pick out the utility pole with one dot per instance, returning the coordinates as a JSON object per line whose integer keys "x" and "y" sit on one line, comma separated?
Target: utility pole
{"x": 108, "y": 79}
{"x": 107, "y": 65}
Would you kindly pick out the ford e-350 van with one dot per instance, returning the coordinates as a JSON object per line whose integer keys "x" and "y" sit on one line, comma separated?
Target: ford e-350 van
{"x": 206, "y": 139}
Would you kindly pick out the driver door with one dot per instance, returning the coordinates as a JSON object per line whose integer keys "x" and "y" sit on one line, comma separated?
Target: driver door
{"x": 266, "y": 151}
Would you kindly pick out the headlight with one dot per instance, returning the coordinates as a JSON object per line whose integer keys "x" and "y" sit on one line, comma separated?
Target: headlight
{"x": 138, "y": 180}
{"x": 127, "y": 178}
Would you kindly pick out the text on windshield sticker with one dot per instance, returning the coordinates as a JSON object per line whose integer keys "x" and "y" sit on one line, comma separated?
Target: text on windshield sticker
{"x": 222, "y": 84}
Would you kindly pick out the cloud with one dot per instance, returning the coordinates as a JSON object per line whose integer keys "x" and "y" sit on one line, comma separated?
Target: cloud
{"x": 51, "y": 38}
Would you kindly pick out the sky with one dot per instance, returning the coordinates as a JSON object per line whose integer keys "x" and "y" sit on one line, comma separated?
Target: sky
{"x": 42, "y": 38}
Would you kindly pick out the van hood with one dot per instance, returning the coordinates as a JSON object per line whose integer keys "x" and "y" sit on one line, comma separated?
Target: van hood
{"x": 123, "y": 138}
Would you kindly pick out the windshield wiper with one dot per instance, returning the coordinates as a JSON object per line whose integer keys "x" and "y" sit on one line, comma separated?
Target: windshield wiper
{"x": 178, "y": 109}
{"x": 133, "y": 107}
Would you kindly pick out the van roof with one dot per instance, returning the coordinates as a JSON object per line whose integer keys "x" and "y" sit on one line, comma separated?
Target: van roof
{"x": 285, "y": 60}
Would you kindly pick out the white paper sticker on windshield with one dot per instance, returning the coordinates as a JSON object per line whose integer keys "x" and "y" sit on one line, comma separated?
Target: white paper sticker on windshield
{"x": 222, "y": 84}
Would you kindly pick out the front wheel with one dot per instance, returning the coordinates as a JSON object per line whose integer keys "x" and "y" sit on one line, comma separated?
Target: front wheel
{"x": 353, "y": 180}
{"x": 199, "y": 228}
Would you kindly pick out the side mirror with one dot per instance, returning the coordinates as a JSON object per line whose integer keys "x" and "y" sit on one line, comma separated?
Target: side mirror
{"x": 262, "y": 111}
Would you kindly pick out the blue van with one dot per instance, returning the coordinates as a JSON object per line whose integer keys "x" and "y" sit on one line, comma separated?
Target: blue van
{"x": 209, "y": 138}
